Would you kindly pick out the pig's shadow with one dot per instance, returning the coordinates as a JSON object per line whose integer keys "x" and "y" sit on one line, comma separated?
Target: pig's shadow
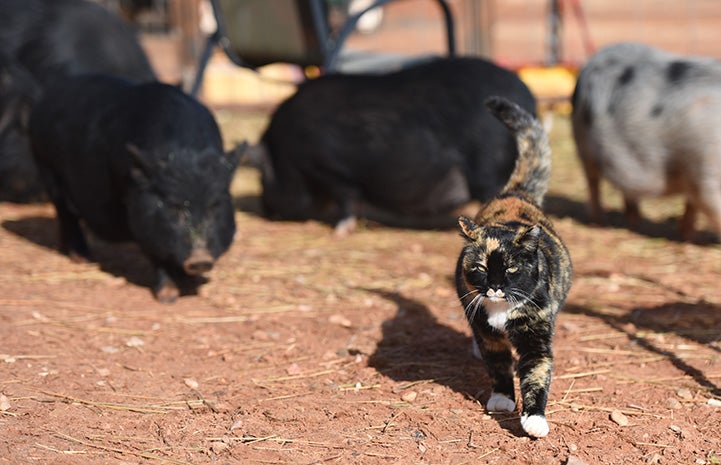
{"x": 563, "y": 207}
{"x": 557, "y": 206}
{"x": 249, "y": 203}
{"x": 123, "y": 259}
{"x": 416, "y": 348}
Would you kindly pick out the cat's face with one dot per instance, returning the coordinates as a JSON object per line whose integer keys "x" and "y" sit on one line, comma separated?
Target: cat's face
{"x": 500, "y": 266}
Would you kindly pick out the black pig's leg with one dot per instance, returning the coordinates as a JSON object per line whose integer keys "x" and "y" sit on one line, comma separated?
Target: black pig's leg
{"x": 166, "y": 289}
{"x": 72, "y": 239}
{"x": 347, "y": 221}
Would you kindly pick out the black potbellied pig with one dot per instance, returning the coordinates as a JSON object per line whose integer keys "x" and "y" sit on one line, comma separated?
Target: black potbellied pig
{"x": 54, "y": 38}
{"x": 41, "y": 41}
{"x": 649, "y": 122}
{"x": 415, "y": 143}
{"x": 141, "y": 162}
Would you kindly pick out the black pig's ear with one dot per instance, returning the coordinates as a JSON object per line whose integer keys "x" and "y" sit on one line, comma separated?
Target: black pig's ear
{"x": 257, "y": 156}
{"x": 232, "y": 157}
{"x": 139, "y": 168}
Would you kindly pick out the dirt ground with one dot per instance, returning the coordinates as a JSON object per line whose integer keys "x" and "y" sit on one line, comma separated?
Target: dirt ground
{"x": 302, "y": 348}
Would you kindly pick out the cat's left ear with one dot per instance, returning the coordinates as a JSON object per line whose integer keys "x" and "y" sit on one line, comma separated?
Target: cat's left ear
{"x": 528, "y": 239}
{"x": 468, "y": 228}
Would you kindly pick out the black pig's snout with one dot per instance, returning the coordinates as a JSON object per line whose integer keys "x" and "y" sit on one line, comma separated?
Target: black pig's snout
{"x": 199, "y": 262}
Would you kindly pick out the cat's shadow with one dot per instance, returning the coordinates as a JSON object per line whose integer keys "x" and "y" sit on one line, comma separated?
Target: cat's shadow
{"x": 417, "y": 347}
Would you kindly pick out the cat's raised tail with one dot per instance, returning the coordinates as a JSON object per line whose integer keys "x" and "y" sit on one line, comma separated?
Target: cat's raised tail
{"x": 532, "y": 172}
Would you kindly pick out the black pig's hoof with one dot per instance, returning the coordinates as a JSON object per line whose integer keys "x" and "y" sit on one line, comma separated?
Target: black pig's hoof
{"x": 345, "y": 227}
{"x": 77, "y": 257}
{"x": 167, "y": 292}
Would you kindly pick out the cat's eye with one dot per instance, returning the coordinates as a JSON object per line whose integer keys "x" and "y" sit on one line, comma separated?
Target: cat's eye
{"x": 480, "y": 268}
{"x": 512, "y": 269}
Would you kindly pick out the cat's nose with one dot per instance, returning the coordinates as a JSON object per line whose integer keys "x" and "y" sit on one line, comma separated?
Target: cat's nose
{"x": 497, "y": 293}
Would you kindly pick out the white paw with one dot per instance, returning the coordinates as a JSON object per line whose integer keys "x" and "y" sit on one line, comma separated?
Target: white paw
{"x": 535, "y": 425}
{"x": 500, "y": 403}
{"x": 476, "y": 351}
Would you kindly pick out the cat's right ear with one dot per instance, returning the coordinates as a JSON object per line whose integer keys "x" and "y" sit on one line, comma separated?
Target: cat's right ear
{"x": 468, "y": 228}
{"x": 528, "y": 239}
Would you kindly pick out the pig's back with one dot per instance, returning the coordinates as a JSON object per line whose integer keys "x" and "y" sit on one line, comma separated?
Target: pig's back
{"x": 160, "y": 116}
{"x": 68, "y": 136}
{"x": 72, "y": 116}
{"x": 366, "y": 127}
{"x": 54, "y": 38}
{"x": 84, "y": 129}
{"x": 648, "y": 117}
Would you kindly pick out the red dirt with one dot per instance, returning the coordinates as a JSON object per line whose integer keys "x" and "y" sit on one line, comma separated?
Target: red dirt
{"x": 302, "y": 348}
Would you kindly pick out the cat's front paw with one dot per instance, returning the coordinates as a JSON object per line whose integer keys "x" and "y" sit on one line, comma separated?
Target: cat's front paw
{"x": 500, "y": 403}
{"x": 535, "y": 425}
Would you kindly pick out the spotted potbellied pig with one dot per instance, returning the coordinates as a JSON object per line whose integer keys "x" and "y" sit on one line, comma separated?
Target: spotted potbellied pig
{"x": 140, "y": 162}
{"x": 649, "y": 122}
{"x": 413, "y": 144}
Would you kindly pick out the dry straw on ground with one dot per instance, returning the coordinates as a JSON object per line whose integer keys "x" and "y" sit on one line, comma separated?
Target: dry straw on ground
{"x": 305, "y": 349}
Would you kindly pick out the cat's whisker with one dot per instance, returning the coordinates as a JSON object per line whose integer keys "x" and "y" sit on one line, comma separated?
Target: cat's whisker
{"x": 478, "y": 306}
{"x": 475, "y": 304}
{"x": 467, "y": 307}
{"x": 472, "y": 291}
{"x": 525, "y": 296}
{"x": 518, "y": 292}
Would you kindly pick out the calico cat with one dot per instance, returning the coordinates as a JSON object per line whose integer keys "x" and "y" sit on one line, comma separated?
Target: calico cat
{"x": 514, "y": 274}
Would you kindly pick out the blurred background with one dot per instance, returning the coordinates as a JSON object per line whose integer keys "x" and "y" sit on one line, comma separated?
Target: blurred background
{"x": 544, "y": 40}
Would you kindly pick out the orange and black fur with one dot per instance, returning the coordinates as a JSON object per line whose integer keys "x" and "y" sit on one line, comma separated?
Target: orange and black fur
{"x": 514, "y": 274}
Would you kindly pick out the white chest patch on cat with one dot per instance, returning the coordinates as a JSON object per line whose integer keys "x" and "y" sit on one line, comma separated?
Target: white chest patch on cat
{"x": 497, "y": 311}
